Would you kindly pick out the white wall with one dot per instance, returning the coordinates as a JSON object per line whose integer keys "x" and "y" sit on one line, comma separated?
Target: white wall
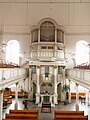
{"x": 17, "y": 17}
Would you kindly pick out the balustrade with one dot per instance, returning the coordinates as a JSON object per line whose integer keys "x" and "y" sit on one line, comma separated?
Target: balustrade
{"x": 10, "y": 75}
{"x": 56, "y": 54}
{"x": 81, "y": 76}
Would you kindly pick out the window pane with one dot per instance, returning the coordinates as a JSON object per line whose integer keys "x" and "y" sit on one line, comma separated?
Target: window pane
{"x": 82, "y": 55}
{"x": 12, "y": 51}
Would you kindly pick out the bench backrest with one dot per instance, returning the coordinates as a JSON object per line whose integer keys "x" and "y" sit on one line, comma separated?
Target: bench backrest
{"x": 23, "y": 112}
{"x": 18, "y": 119}
{"x": 22, "y": 116}
{"x": 58, "y": 112}
{"x": 71, "y": 117}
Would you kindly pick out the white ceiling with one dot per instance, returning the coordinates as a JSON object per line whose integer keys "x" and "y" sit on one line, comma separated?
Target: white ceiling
{"x": 17, "y": 16}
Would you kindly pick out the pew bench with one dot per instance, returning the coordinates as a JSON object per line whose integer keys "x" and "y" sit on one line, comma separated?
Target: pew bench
{"x": 71, "y": 117}
{"x": 59, "y": 112}
{"x": 18, "y": 119}
{"x": 22, "y": 116}
{"x": 23, "y": 112}
{"x": 73, "y": 95}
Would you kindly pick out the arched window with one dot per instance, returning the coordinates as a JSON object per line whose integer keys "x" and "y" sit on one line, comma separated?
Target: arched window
{"x": 12, "y": 51}
{"x": 82, "y": 55}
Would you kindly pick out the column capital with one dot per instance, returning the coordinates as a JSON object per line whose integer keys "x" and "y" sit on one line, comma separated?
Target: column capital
{"x": 17, "y": 83}
{"x": 63, "y": 67}
{"x": 55, "y": 28}
{"x": 77, "y": 84}
{"x": 30, "y": 66}
{"x": 55, "y": 66}
{"x": 38, "y": 66}
{"x": 69, "y": 80}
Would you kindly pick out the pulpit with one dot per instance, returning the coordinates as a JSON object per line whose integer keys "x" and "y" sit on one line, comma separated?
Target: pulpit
{"x": 47, "y": 98}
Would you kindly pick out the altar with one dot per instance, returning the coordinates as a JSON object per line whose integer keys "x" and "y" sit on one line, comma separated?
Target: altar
{"x": 47, "y": 98}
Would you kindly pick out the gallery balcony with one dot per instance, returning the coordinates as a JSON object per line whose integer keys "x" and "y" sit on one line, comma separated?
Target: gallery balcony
{"x": 47, "y": 55}
{"x": 80, "y": 76}
{"x": 9, "y": 76}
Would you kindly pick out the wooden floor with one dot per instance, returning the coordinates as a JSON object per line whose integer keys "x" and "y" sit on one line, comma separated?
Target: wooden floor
{"x": 49, "y": 116}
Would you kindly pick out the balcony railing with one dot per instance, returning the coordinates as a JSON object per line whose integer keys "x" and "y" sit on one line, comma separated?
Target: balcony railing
{"x": 79, "y": 76}
{"x": 10, "y": 76}
{"x": 41, "y": 54}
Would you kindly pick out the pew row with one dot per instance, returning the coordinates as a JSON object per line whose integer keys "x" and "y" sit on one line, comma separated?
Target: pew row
{"x": 58, "y": 112}
{"x": 18, "y": 119}
{"x": 24, "y": 112}
{"x": 22, "y": 116}
{"x": 70, "y": 117}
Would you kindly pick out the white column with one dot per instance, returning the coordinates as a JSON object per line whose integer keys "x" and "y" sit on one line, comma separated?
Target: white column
{"x": 55, "y": 84}
{"x": 38, "y": 86}
{"x": 69, "y": 93}
{"x": 30, "y": 76}
{"x": 29, "y": 82}
{"x": 64, "y": 80}
{"x": 63, "y": 94}
{"x": 77, "y": 97}
{"x": 1, "y": 104}
{"x": 16, "y": 96}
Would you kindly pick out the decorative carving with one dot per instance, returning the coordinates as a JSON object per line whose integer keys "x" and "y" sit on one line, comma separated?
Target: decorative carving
{"x": 30, "y": 66}
{"x": 55, "y": 66}
{"x": 38, "y": 66}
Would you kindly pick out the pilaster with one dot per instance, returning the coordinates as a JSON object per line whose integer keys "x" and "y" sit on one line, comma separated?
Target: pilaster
{"x": 38, "y": 85}
{"x": 55, "y": 84}
{"x": 69, "y": 93}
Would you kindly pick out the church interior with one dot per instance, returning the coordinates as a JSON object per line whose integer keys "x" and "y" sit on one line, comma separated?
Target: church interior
{"x": 44, "y": 59}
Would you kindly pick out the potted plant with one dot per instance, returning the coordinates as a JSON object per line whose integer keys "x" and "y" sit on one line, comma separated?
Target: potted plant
{"x": 66, "y": 89}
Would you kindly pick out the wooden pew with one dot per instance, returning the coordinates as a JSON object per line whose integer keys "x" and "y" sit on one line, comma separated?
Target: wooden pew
{"x": 58, "y": 112}
{"x": 23, "y": 112}
{"x": 18, "y": 119}
{"x": 71, "y": 117}
{"x": 73, "y": 95}
{"x": 22, "y": 116}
